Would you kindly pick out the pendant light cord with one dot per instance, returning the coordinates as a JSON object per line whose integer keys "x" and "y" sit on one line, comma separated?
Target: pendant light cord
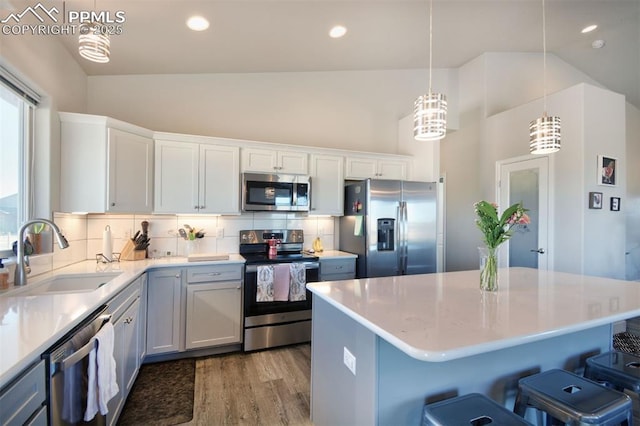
{"x": 430, "y": 40}
{"x": 544, "y": 61}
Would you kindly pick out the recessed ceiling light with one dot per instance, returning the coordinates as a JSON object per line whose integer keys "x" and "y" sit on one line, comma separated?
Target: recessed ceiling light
{"x": 589, "y": 28}
{"x": 197, "y": 23}
{"x": 598, "y": 44}
{"x": 337, "y": 31}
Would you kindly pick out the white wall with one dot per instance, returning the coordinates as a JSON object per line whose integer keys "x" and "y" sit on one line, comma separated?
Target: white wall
{"x": 585, "y": 240}
{"x": 356, "y": 110}
{"x": 631, "y": 203}
{"x": 490, "y": 83}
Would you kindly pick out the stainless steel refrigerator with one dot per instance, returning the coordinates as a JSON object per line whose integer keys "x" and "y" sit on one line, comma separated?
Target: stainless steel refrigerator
{"x": 391, "y": 226}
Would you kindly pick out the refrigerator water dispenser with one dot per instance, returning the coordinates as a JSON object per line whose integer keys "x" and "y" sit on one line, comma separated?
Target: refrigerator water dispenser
{"x": 386, "y": 232}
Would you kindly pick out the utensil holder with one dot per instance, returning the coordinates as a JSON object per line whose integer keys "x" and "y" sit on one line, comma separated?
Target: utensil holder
{"x": 129, "y": 252}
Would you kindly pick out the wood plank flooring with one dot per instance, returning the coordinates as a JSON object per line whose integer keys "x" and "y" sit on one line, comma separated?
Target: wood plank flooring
{"x": 260, "y": 388}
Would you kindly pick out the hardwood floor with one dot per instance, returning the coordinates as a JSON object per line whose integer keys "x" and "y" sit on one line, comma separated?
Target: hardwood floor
{"x": 261, "y": 388}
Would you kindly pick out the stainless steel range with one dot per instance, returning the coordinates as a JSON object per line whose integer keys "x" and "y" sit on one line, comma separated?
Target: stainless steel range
{"x": 276, "y": 321}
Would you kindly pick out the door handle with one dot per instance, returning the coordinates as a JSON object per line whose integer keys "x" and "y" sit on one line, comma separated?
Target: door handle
{"x": 540, "y": 251}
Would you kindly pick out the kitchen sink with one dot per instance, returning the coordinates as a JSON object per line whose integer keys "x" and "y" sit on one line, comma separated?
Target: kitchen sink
{"x": 71, "y": 283}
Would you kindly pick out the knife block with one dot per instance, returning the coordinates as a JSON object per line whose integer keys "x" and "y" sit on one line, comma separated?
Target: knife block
{"x": 130, "y": 253}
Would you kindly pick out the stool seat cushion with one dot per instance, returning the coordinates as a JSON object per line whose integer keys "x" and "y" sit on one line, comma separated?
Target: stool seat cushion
{"x": 569, "y": 397}
{"x": 472, "y": 409}
{"x": 618, "y": 369}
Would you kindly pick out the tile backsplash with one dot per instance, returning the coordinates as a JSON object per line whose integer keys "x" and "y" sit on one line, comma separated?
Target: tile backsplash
{"x": 84, "y": 233}
{"x": 221, "y": 232}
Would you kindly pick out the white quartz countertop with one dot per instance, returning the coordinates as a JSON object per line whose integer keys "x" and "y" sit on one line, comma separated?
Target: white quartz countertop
{"x": 444, "y": 316}
{"x": 335, "y": 254}
{"x": 29, "y": 325}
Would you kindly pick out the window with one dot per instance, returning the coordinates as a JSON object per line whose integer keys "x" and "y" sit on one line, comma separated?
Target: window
{"x": 16, "y": 112}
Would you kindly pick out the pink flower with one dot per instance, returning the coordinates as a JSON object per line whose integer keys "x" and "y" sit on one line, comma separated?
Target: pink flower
{"x": 524, "y": 220}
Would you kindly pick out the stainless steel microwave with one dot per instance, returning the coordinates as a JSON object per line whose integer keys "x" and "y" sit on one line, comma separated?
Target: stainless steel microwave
{"x": 272, "y": 192}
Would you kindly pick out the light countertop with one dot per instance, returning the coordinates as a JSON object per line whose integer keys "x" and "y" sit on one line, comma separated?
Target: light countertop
{"x": 31, "y": 324}
{"x": 444, "y": 316}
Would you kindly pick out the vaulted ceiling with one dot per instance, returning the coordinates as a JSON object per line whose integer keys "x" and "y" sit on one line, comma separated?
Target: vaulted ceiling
{"x": 284, "y": 36}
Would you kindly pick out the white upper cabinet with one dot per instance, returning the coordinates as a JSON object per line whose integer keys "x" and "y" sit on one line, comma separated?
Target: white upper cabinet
{"x": 358, "y": 167}
{"x": 106, "y": 166}
{"x": 196, "y": 178}
{"x": 327, "y": 185}
{"x": 274, "y": 161}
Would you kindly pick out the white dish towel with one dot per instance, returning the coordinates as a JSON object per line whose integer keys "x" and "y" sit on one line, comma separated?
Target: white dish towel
{"x": 103, "y": 384}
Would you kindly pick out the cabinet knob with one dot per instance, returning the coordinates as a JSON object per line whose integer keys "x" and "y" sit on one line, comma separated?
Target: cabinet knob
{"x": 128, "y": 320}
{"x": 195, "y": 207}
{"x": 177, "y": 275}
{"x": 113, "y": 204}
{"x": 201, "y": 207}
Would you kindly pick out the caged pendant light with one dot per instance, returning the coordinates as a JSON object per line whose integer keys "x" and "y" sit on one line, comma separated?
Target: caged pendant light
{"x": 430, "y": 109}
{"x": 93, "y": 42}
{"x": 544, "y": 133}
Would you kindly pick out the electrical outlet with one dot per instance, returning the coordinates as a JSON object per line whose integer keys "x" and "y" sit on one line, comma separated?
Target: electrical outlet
{"x": 349, "y": 360}
{"x": 219, "y": 232}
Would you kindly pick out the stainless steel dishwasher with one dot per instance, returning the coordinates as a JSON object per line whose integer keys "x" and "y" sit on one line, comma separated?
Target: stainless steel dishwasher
{"x": 67, "y": 362}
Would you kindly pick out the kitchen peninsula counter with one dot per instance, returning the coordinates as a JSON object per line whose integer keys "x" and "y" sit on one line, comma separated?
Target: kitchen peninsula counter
{"x": 419, "y": 335}
{"x": 31, "y": 324}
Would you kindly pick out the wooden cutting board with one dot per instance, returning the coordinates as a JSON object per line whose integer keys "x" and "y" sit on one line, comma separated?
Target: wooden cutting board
{"x": 202, "y": 257}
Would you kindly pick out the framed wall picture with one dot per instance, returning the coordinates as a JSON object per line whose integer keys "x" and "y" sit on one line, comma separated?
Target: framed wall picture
{"x": 614, "y": 204}
{"x": 607, "y": 170}
{"x": 595, "y": 200}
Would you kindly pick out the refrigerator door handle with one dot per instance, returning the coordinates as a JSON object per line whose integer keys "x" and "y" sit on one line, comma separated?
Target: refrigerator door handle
{"x": 405, "y": 237}
{"x": 402, "y": 237}
{"x": 398, "y": 238}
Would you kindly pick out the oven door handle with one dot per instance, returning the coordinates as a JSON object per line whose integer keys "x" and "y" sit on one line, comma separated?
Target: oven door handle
{"x": 307, "y": 265}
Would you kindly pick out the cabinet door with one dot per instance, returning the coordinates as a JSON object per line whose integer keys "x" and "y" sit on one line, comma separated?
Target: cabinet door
{"x": 116, "y": 403}
{"x": 130, "y": 355}
{"x": 176, "y": 177}
{"x": 293, "y": 162}
{"x": 130, "y": 168}
{"x": 361, "y": 168}
{"x": 259, "y": 160}
{"x": 391, "y": 169}
{"x": 214, "y": 314}
{"x": 163, "y": 311}
{"x": 327, "y": 185}
{"x": 219, "y": 179}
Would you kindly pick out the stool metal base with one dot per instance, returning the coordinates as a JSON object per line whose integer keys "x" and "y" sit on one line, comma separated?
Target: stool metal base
{"x": 620, "y": 370}
{"x": 472, "y": 409}
{"x": 573, "y": 399}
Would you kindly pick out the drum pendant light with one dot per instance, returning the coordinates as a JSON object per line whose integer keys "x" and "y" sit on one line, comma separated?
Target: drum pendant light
{"x": 93, "y": 42}
{"x": 430, "y": 109}
{"x": 544, "y": 133}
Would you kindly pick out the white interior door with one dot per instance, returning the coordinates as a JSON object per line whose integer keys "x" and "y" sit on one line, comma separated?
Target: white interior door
{"x": 526, "y": 180}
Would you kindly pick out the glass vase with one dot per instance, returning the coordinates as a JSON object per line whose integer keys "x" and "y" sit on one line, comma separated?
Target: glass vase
{"x": 488, "y": 268}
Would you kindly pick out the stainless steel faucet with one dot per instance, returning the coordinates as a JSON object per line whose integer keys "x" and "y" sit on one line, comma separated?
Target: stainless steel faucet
{"x": 22, "y": 262}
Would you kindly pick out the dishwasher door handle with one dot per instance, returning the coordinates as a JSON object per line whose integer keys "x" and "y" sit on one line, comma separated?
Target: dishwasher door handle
{"x": 81, "y": 353}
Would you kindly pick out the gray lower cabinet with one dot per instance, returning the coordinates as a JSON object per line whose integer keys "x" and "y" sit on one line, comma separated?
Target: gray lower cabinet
{"x": 22, "y": 401}
{"x": 214, "y": 302}
{"x": 336, "y": 269}
{"x": 194, "y": 307}
{"x": 125, "y": 309}
{"x": 163, "y": 310}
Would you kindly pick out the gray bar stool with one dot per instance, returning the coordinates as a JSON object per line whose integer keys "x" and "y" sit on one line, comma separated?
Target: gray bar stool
{"x": 619, "y": 370}
{"x": 572, "y": 399}
{"x": 473, "y": 409}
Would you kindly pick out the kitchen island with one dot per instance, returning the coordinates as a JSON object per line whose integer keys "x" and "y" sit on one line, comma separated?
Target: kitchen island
{"x": 409, "y": 338}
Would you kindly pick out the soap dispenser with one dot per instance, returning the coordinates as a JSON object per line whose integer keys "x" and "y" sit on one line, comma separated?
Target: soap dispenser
{"x": 4, "y": 276}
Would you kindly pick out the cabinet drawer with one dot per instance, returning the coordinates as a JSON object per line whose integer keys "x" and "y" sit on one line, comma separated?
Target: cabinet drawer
{"x": 24, "y": 397}
{"x": 123, "y": 300}
{"x": 338, "y": 277}
{"x": 339, "y": 266}
{"x": 214, "y": 273}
